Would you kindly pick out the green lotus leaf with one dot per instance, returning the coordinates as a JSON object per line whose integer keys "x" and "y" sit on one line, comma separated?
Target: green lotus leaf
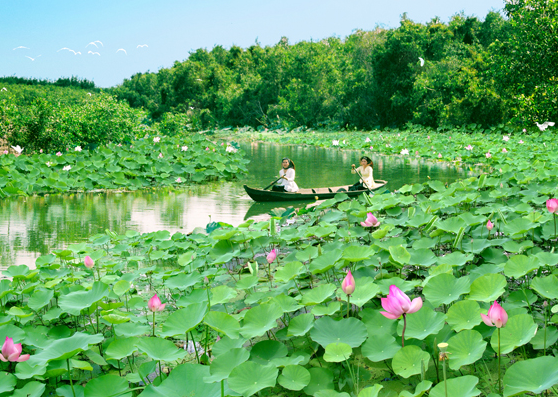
{"x": 403, "y": 285}
{"x": 519, "y": 330}
{"x": 328, "y": 310}
{"x": 407, "y": 361}
{"x": 31, "y": 389}
{"x": 9, "y": 381}
{"x": 131, "y": 329}
{"x": 225, "y": 344}
{"x": 249, "y": 282}
{"x": 357, "y": 253}
{"x": 517, "y": 248}
{"x": 287, "y": 303}
{"x": 331, "y": 393}
{"x": 422, "y": 323}
{"x": 370, "y": 391}
{"x": 40, "y": 298}
{"x": 74, "y": 302}
{"x": 517, "y": 227}
{"x": 337, "y": 352}
{"x": 222, "y": 365}
{"x": 423, "y": 257}
{"x": 445, "y": 289}
{"x": 547, "y": 287}
{"x": 377, "y": 324}
{"x": 324, "y": 262}
{"x": 185, "y": 381}
{"x": 400, "y": 254}
{"x": 318, "y": 295}
{"x": 522, "y": 298}
{"x": 289, "y": 271}
{"x": 547, "y": 258}
{"x": 380, "y": 347}
{"x": 465, "y": 348}
{"x": 348, "y": 330}
{"x": 183, "y": 281}
{"x": 223, "y": 323}
{"x": 455, "y": 259}
{"x": 121, "y": 287}
{"x": 320, "y": 379}
{"x": 249, "y": 377}
{"x": 464, "y": 386}
{"x": 421, "y": 388}
{"x": 533, "y": 375}
{"x": 308, "y": 253}
{"x": 488, "y": 287}
{"x": 265, "y": 351}
{"x": 120, "y": 348}
{"x": 160, "y": 349}
{"x": 365, "y": 290}
{"x": 222, "y": 294}
{"x": 184, "y": 320}
{"x": 301, "y": 324}
{"x": 294, "y": 377}
{"x": 260, "y": 319}
{"x": 519, "y": 265}
{"x": 545, "y": 338}
{"x": 451, "y": 225}
{"x": 464, "y": 315}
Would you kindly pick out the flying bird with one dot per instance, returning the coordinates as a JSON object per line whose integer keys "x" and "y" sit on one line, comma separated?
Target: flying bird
{"x": 545, "y": 125}
{"x": 69, "y": 49}
{"x": 92, "y": 43}
{"x": 93, "y": 53}
{"x": 33, "y": 59}
{"x": 97, "y": 41}
{"x": 142, "y": 45}
{"x": 89, "y": 93}
{"x": 4, "y": 89}
{"x": 421, "y": 61}
{"x": 17, "y": 48}
{"x": 122, "y": 49}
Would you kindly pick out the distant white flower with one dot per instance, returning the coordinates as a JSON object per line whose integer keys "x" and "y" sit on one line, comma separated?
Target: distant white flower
{"x": 335, "y": 142}
{"x": 521, "y": 141}
{"x": 524, "y": 130}
{"x": 504, "y": 150}
{"x": 545, "y": 125}
{"x": 404, "y": 151}
{"x": 439, "y": 155}
{"x": 18, "y": 149}
{"x": 506, "y": 138}
{"x": 184, "y": 148}
{"x": 367, "y": 140}
{"x": 488, "y": 155}
{"x": 469, "y": 147}
{"x": 343, "y": 141}
{"x": 77, "y": 149}
{"x": 178, "y": 180}
{"x": 59, "y": 154}
{"x": 160, "y": 155}
{"x": 191, "y": 349}
{"x": 40, "y": 151}
{"x": 48, "y": 164}
{"x": 231, "y": 149}
{"x": 156, "y": 139}
{"x": 67, "y": 168}
{"x": 119, "y": 145}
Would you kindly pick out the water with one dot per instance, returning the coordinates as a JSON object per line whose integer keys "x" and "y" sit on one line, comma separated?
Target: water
{"x": 33, "y": 226}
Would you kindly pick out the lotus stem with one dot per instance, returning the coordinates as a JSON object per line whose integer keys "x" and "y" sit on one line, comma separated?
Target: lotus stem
{"x": 153, "y": 323}
{"x": 195, "y": 349}
{"x": 403, "y": 332}
{"x": 499, "y": 364}
{"x": 222, "y": 387}
{"x": 70, "y": 377}
{"x": 348, "y": 304}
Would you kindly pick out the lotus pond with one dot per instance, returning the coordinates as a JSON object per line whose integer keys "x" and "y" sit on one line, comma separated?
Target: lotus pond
{"x": 262, "y": 308}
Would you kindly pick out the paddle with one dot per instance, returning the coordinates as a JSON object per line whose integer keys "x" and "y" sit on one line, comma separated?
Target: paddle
{"x": 272, "y": 183}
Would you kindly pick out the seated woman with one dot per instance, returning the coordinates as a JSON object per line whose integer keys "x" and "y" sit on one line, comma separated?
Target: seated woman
{"x": 366, "y": 172}
{"x": 287, "y": 174}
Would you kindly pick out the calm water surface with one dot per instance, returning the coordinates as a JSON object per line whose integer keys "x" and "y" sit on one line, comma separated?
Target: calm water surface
{"x": 33, "y": 226}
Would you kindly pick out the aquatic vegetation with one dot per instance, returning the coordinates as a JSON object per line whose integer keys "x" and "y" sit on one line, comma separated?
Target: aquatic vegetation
{"x": 260, "y": 308}
{"x": 151, "y": 162}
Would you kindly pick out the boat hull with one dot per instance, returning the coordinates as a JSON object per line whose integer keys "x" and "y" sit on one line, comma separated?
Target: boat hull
{"x": 305, "y": 194}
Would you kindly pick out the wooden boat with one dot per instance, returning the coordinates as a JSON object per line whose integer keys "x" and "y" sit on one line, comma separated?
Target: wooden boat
{"x": 306, "y": 194}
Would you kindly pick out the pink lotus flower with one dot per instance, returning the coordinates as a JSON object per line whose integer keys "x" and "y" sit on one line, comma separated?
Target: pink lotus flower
{"x": 12, "y": 352}
{"x": 524, "y": 130}
{"x": 398, "y": 303}
{"x": 59, "y": 154}
{"x": 488, "y": 155}
{"x": 178, "y": 180}
{"x": 506, "y": 138}
{"x": 439, "y": 155}
{"x": 521, "y": 141}
{"x": 552, "y": 205}
{"x": 370, "y": 221}
{"x": 469, "y": 147}
{"x": 88, "y": 262}
{"x": 160, "y": 155}
{"x": 271, "y": 256}
{"x": 348, "y": 284}
{"x": 155, "y": 304}
{"x": 497, "y": 316}
{"x": 504, "y": 150}
{"x": 156, "y": 139}
{"x": 489, "y": 225}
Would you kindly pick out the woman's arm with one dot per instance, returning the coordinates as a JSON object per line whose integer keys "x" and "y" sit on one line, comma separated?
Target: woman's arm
{"x": 290, "y": 175}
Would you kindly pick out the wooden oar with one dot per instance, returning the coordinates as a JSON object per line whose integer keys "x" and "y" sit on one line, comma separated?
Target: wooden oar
{"x": 272, "y": 183}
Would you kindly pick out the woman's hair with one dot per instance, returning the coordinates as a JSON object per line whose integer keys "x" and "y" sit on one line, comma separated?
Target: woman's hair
{"x": 291, "y": 163}
{"x": 368, "y": 160}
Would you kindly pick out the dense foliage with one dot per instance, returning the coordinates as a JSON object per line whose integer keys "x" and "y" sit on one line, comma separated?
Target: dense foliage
{"x": 369, "y": 79}
{"x": 55, "y": 118}
{"x": 149, "y": 162}
{"x": 263, "y": 308}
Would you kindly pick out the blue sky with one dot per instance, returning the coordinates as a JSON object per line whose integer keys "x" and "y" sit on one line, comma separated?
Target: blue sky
{"x": 173, "y": 28}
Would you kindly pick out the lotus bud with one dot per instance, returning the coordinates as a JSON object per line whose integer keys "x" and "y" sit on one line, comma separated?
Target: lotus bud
{"x": 489, "y": 225}
{"x": 88, "y": 262}
{"x": 552, "y": 205}
{"x": 271, "y": 256}
{"x": 348, "y": 284}
{"x": 12, "y": 352}
{"x": 496, "y": 316}
{"x": 155, "y": 304}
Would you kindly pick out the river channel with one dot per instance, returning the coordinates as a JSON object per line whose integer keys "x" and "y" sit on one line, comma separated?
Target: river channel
{"x": 34, "y": 226}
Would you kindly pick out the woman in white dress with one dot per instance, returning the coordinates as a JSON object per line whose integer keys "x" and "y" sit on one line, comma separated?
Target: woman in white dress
{"x": 367, "y": 173}
{"x": 287, "y": 174}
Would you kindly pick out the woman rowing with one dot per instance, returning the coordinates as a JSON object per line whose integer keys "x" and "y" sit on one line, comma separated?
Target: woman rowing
{"x": 287, "y": 176}
{"x": 365, "y": 172}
